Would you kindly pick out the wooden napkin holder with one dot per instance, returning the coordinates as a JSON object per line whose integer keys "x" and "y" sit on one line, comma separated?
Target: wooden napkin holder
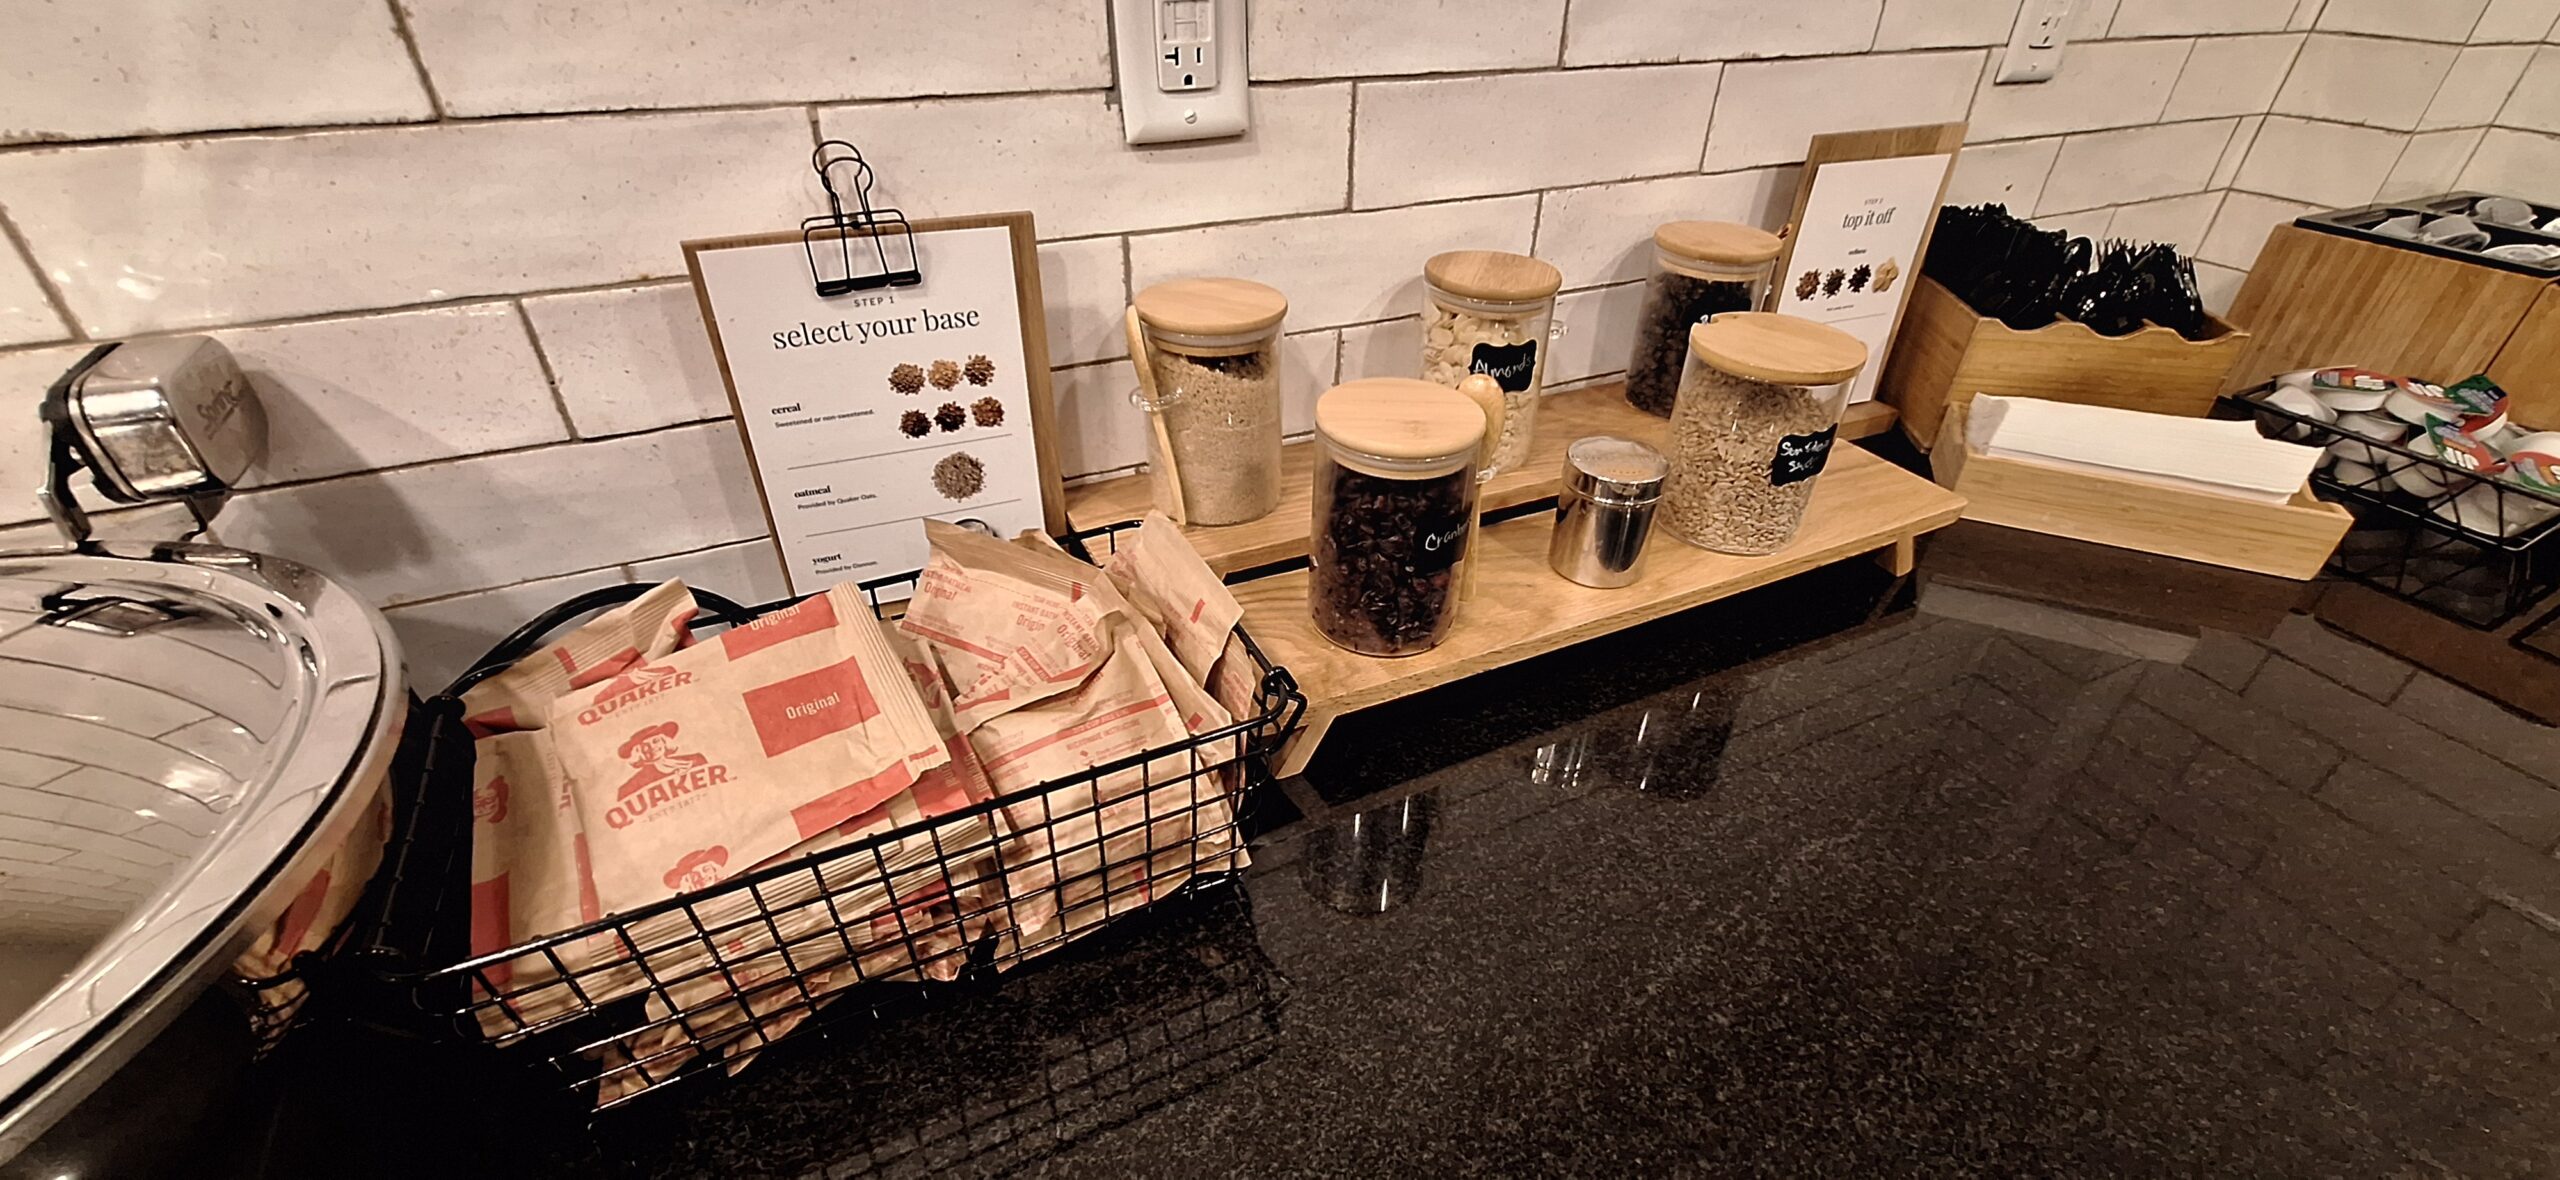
{"x": 2288, "y": 540}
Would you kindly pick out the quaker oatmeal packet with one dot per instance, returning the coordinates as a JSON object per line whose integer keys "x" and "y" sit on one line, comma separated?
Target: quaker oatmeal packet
{"x": 692, "y": 766}
{"x": 1159, "y": 572}
{"x": 1009, "y": 626}
{"x": 643, "y": 629}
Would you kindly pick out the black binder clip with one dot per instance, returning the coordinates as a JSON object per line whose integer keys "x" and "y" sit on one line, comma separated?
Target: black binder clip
{"x": 878, "y": 227}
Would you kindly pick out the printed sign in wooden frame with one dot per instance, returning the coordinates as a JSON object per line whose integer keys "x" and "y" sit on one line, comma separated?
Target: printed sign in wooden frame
{"x": 866, "y": 412}
{"x": 1865, "y": 173}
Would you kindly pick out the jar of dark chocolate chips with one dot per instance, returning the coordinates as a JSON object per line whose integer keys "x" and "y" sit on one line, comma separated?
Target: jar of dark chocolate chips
{"x": 1395, "y": 508}
{"x": 1701, "y": 269}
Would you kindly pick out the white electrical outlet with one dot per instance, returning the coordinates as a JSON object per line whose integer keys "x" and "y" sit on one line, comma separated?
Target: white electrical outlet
{"x": 1182, "y": 68}
{"x": 2036, "y": 42}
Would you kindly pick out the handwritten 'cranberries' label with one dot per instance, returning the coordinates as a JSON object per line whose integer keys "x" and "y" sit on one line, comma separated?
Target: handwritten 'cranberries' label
{"x": 1800, "y": 457}
{"x": 1439, "y": 541}
{"x": 1510, "y": 365}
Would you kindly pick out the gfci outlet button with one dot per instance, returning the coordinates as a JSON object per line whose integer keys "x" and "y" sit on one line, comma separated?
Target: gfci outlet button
{"x": 1181, "y": 67}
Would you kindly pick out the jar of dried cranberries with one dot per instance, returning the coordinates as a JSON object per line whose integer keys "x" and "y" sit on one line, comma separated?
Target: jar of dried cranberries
{"x": 1395, "y": 508}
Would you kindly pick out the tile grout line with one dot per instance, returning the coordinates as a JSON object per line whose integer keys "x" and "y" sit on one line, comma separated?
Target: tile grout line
{"x": 44, "y": 282}
{"x": 550, "y": 377}
{"x": 417, "y": 59}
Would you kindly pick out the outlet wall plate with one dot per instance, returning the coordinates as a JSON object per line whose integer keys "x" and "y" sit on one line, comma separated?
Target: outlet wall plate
{"x": 2036, "y": 42}
{"x": 1181, "y": 67}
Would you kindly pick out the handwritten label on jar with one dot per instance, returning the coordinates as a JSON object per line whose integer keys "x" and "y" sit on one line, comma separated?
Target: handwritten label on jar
{"x": 1800, "y": 457}
{"x": 1510, "y": 365}
{"x": 1439, "y": 543}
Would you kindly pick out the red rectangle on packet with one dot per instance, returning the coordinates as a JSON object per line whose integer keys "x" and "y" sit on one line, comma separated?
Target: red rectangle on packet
{"x": 782, "y": 626}
{"x": 797, "y": 710}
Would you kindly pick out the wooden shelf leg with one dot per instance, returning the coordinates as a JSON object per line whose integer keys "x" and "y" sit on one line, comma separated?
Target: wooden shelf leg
{"x": 1300, "y": 746}
{"x": 1902, "y": 558}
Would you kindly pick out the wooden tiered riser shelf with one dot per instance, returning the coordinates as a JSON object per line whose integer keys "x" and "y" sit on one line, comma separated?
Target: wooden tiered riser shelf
{"x": 1521, "y": 608}
{"x": 1282, "y": 536}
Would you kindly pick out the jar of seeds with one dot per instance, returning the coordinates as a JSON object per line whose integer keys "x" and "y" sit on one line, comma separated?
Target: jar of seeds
{"x": 1759, "y": 404}
{"x": 1211, "y": 351}
{"x": 1701, "y": 269}
{"x": 1485, "y": 311}
{"x": 1395, "y": 508}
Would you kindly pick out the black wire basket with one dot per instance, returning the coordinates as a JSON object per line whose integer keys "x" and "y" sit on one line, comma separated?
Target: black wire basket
{"x": 2466, "y": 545}
{"x": 701, "y": 982}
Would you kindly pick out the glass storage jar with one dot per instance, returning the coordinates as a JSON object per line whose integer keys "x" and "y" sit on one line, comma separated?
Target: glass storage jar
{"x": 1759, "y": 405}
{"x": 1211, "y": 351}
{"x": 1701, "y": 269}
{"x": 1395, "y": 508}
{"x": 1485, "y": 311}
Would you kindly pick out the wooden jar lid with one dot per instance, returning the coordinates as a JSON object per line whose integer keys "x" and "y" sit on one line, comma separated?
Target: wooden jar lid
{"x": 1492, "y": 275}
{"x": 1211, "y": 307}
{"x": 1767, "y": 346}
{"x": 1400, "y": 418}
{"x": 1718, "y": 241}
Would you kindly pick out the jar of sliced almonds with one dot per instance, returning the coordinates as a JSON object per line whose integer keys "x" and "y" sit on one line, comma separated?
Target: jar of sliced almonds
{"x": 1485, "y": 311}
{"x": 1759, "y": 406}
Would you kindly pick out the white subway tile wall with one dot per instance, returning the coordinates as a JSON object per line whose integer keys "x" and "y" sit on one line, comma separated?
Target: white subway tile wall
{"x": 2508, "y": 21}
{"x": 567, "y": 55}
{"x": 1768, "y": 109}
{"x": 2431, "y": 164}
{"x": 2182, "y": 18}
{"x": 26, "y": 316}
{"x": 1599, "y": 32}
{"x": 628, "y": 359}
{"x": 1357, "y": 38}
{"x": 1060, "y": 156}
{"x": 2478, "y": 87}
{"x": 1429, "y": 139}
{"x": 2135, "y": 164}
{"x": 2330, "y": 164}
{"x": 455, "y": 270}
{"x": 106, "y": 68}
{"x": 2424, "y": 20}
{"x": 2011, "y": 173}
{"x": 2385, "y": 83}
{"x": 2232, "y": 76}
{"x": 1583, "y": 230}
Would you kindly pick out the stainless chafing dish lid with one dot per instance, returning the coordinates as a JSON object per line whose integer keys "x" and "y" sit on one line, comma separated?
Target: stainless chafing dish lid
{"x": 181, "y": 727}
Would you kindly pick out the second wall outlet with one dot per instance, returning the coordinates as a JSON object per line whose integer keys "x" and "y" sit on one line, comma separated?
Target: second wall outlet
{"x": 2036, "y": 42}
{"x": 1182, "y": 68}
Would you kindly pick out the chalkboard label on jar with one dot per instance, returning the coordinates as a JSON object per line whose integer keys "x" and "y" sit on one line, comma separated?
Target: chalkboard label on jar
{"x": 1439, "y": 543}
{"x": 1800, "y": 457}
{"x": 1510, "y": 365}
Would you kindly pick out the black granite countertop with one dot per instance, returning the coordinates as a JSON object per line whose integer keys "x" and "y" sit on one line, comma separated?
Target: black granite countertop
{"x": 1842, "y": 877}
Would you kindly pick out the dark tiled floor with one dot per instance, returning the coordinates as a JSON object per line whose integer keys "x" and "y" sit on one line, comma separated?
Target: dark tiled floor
{"x": 1811, "y": 883}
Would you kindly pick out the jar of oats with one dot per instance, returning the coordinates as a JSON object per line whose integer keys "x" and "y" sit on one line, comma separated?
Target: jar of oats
{"x": 1759, "y": 405}
{"x": 1212, "y": 347}
{"x": 1485, "y": 311}
{"x": 1701, "y": 269}
{"x": 1394, "y": 511}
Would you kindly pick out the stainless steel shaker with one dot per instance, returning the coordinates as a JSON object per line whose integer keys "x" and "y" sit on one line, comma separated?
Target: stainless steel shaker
{"x": 1604, "y": 510}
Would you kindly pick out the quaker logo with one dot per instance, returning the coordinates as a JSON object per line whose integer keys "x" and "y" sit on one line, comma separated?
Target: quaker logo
{"x": 1800, "y": 457}
{"x": 639, "y": 682}
{"x": 662, "y": 775}
{"x": 489, "y": 803}
{"x": 1510, "y": 365}
{"x": 700, "y": 869}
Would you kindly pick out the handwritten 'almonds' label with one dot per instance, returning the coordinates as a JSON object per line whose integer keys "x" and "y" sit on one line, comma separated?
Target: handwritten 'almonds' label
{"x": 1510, "y": 365}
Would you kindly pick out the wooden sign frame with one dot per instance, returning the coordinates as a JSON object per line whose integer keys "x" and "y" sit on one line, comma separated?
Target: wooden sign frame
{"x": 1030, "y": 312}
{"x": 1840, "y": 147}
